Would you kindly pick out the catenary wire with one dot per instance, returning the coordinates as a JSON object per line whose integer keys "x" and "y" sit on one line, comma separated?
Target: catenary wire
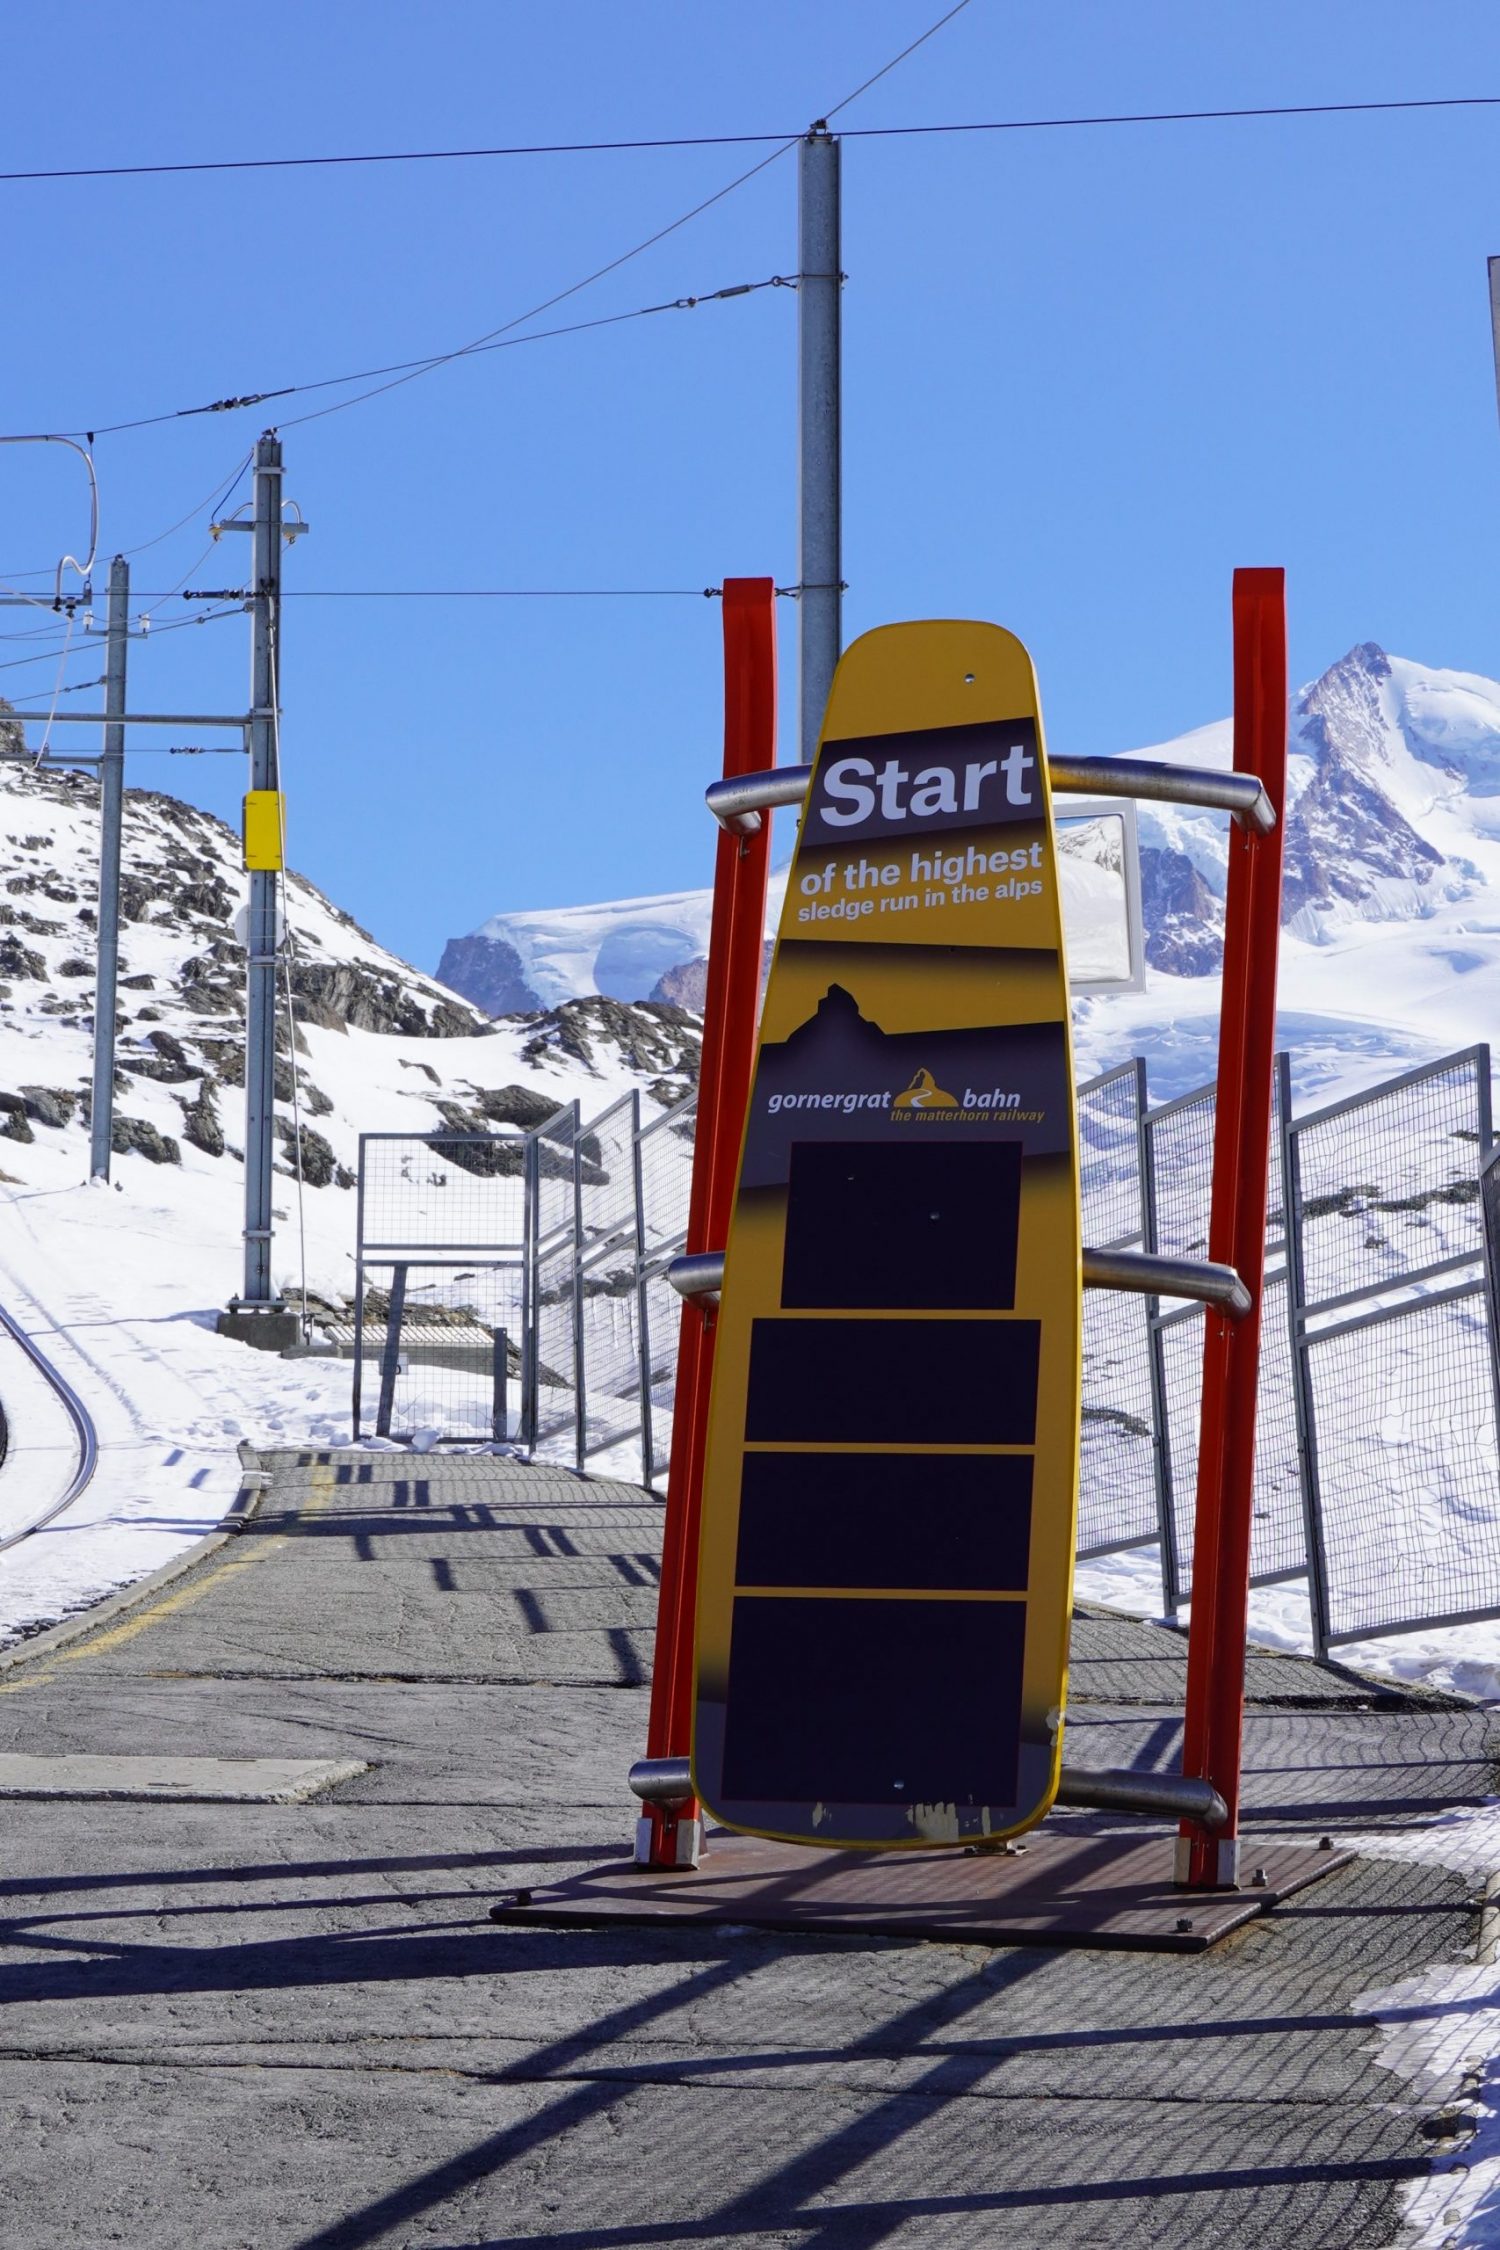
{"x": 491, "y": 337}
{"x": 205, "y": 617}
{"x": 413, "y": 367}
{"x": 949, "y": 126}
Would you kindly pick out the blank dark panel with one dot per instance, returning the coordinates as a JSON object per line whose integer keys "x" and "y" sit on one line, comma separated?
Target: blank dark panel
{"x": 873, "y": 1702}
{"x": 912, "y": 1223}
{"x": 886, "y": 1519}
{"x": 893, "y": 1382}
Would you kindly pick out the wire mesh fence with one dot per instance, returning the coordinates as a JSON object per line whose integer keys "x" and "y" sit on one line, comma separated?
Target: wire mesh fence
{"x": 1118, "y": 1492}
{"x": 513, "y": 1286}
{"x": 664, "y": 1158}
{"x": 1180, "y": 1142}
{"x": 441, "y": 1284}
{"x": 1396, "y": 1353}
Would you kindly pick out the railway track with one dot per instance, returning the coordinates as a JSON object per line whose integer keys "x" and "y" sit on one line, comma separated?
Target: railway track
{"x": 48, "y": 1437}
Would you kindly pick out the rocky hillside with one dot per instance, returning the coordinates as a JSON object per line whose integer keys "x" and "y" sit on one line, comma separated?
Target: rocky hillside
{"x": 365, "y": 1043}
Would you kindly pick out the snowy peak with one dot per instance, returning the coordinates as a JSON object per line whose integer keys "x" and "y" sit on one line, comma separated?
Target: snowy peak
{"x": 1391, "y": 764}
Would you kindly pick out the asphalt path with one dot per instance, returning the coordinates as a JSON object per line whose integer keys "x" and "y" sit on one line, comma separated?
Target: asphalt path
{"x": 238, "y": 2025}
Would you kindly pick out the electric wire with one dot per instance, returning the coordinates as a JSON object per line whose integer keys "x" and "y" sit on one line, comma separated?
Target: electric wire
{"x": 946, "y": 127}
{"x": 411, "y": 368}
{"x": 53, "y": 437}
{"x": 56, "y": 695}
{"x": 233, "y": 609}
{"x": 896, "y": 60}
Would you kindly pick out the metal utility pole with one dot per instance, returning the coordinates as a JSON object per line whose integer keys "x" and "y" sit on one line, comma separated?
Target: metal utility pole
{"x": 820, "y": 501}
{"x": 261, "y": 936}
{"x": 111, "y": 812}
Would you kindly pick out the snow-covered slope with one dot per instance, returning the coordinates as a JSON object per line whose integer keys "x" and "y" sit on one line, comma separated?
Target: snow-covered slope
{"x": 122, "y": 1284}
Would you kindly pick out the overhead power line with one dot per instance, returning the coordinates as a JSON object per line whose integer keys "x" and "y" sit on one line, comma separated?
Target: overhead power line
{"x": 412, "y": 367}
{"x": 411, "y": 374}
{"x": 461, "y": 593}
{"x": 761, "y": 140}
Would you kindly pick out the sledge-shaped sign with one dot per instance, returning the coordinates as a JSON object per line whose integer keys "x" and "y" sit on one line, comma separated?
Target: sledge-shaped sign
{"x": 890, "y": 1488}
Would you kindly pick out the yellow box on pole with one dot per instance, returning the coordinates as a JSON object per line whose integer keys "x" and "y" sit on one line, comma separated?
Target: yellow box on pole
{"x": 265, "y": 826}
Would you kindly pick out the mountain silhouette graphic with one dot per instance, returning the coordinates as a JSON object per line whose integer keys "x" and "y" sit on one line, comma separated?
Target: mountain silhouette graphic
{"x": 836, "y": 1028}
{"x": 924, "y": 1093}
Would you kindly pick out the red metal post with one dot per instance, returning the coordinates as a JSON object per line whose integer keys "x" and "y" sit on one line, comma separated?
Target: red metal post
{"x": 735, "y": 947}
{"x": 1214, "y": 1719}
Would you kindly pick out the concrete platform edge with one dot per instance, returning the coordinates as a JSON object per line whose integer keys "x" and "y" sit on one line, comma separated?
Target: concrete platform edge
{"x": 236, "y": 1517}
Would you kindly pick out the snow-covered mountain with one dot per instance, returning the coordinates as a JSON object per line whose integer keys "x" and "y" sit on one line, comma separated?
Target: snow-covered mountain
{"x": 1392, "y": 895}
{"x": 657, "y": 948}
{"x": 1394, "y": 809}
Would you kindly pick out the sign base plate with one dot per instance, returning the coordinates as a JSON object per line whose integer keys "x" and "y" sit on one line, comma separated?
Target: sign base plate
{"x": 1056, "y": 1889}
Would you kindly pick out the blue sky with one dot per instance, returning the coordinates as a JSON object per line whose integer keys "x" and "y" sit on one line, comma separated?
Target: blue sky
{"x": 1087, "y": 373}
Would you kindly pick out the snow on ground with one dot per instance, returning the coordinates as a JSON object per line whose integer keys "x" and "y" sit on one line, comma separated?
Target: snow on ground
{"x": 1461, "y": 1658}
{"x": 1440, "y": 2030}
{"x": 120, "y": 1285}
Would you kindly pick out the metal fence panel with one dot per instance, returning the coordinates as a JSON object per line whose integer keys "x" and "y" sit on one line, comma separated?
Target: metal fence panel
{"x": 1118, "y": 1502}
{"x": 1389, "y": 1182}
{"x": 441, "y": 1297}
{"x": 1407, "y": 1461}
{"x": 664, "y": 1158}
{"x": 1181, "y": 1135}
{"x": 557, "y": 1424}
{"x": 1396, "y": 1355}
{"x": 609, "y": 1269}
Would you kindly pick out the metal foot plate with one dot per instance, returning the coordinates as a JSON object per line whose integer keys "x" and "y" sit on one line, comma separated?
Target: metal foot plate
{"x": 1062, "y": 1889}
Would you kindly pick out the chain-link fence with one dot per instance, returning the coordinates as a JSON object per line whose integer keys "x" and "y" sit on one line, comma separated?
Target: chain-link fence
{"x": 513, "y": 1285}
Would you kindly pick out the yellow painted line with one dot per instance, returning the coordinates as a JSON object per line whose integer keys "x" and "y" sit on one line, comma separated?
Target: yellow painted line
{"x": 241, "y": 1557}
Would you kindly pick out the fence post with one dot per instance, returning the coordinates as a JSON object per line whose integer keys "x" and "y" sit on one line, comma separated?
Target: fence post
{"x": 731, "y": 1002}
{"x": 356, "y": 1395}
{"x": 390, "y": 1358}
{"x": 1214, "y": 1718}
{"x": 580, "y": 1366}
{"x": 1171, "y": 1588}
{"x": 1296, "y": 1302}
{"x": 530, "y": 1236}
{"x": 642, "y": 1313}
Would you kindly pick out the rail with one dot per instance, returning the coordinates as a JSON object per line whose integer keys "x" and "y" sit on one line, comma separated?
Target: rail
{"x": 82, "y": 1424}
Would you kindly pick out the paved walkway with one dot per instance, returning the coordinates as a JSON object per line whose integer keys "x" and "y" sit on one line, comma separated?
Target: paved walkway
{"x": 271, "y": 2026}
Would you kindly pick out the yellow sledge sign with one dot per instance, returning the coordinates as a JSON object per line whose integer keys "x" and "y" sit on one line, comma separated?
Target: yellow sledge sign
{"x": 890, "y": 1487}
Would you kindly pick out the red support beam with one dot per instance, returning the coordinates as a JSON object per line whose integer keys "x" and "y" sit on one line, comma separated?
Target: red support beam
{"x": 735, "y": 947}
{"x": 1214, "y": 1718}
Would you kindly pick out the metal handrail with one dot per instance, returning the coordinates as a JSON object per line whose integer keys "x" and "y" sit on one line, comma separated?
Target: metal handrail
{"x": 701, "y": 1276}
{"x": 737, "y": 803}
{"x": 668, "y": 1782}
